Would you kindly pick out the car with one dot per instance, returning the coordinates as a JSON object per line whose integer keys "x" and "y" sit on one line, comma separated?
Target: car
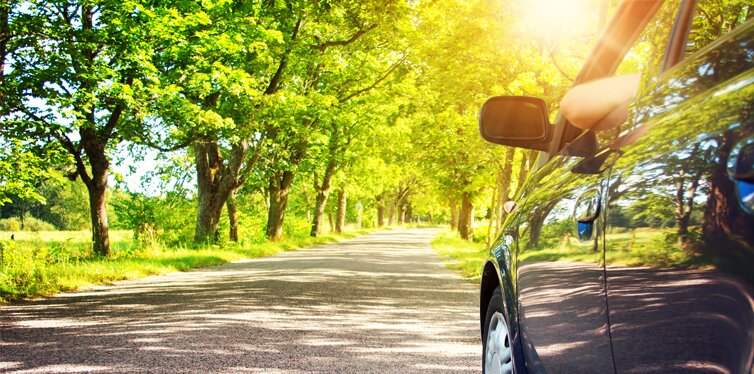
{"x": 631, "y": 249}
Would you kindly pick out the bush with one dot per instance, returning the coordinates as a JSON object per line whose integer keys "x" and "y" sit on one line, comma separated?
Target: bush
{"x": 10, "y": 224}
{"x": 296, "y": 227}
{"x": 23, "y": 272}
{"x": 30, "y": 224}
{"x": 155, "y": 220}
{"x": 34, "y": 224}
{"x": 479, "y": 234}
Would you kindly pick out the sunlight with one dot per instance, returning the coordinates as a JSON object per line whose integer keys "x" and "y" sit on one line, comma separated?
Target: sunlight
{"x": 553, "y": 20}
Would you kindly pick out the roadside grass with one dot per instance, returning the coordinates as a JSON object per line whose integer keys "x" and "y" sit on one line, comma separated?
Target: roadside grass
{"x": 44, "y": 263}
{"x": 638, "y": 247}
{"x": 462, "y": 256}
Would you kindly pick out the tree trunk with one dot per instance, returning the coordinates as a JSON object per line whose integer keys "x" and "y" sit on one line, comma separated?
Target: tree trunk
{"x": 684, "y": 207}
{"x": 380, "y": 210}
{"x": 341, "y": 221}
{"x": 331, "y": 220}
{"x": 684, "y": 198}
{"x": 493, "y": 211}
{"x": 535, "y": 229}
{"x": 726, "y": 228}
{"x": 210, "y": 198}
{"x": 94, "y": 144}
{"x": 97, "y": 187}
{"x": 23, "y": 216}
{"x": 465, "y": 218}
{"x": 453, "y": 215}
{"x": 322, "y": 193}
{"x": 217, "y": 180}
{"x": 232, "y": 217}
{"x": 98, "y": 210}
{"x": 409, "y": 213}
{"x": 400, "y": 201}
{"x": 390, "y": 212}
{"x": 536, "y": 221}
{"x": 526, "y": 164}
{"x": 504, "y": 187}
{"x": 280, "y": 185}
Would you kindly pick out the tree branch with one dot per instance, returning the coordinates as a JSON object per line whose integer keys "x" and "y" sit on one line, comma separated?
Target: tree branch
{"x": 106, "y": 132}
{"x": 172, "y": 148}
{"x": 275, "y": 81}
{"x": 76, "y": 153}
{"x": 251, "y": 163}
{"x": 339, "y": 43}
{"x": 375, "y": 83}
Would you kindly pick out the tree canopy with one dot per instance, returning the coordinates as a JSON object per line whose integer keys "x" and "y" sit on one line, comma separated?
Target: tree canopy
{"x": 276, "y": 102}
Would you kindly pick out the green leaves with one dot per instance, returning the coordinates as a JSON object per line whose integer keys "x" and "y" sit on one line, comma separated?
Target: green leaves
{"x": 387, "y": 91}
{"x": 24, "y": 168}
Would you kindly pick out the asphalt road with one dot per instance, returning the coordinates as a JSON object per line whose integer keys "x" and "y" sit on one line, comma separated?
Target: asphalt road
{"x": 381, "y": 303}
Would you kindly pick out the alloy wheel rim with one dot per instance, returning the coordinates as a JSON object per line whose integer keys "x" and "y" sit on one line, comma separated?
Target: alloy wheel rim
{"x": 498, "y": 348}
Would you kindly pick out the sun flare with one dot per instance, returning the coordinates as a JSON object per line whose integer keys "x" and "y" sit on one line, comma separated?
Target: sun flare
{"x": 552, "y": 20}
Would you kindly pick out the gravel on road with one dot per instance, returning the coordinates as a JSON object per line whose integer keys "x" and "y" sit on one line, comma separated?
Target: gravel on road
{"x": 380, "y": 303}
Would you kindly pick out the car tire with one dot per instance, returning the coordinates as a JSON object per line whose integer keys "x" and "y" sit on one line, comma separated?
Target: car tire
{"x": 496, "y": 342}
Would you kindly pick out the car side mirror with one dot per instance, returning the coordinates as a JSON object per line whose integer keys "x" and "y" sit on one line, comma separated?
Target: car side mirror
{"x": 517, "y": 121}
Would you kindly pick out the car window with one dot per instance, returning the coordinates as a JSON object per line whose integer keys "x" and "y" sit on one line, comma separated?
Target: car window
{"x": 645, "y": 57}
{"x": 715, "y": 18}
{"x": 712, "y": 19}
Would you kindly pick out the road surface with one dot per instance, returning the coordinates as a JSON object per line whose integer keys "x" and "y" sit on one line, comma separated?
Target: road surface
{"x": 381, "y": 303}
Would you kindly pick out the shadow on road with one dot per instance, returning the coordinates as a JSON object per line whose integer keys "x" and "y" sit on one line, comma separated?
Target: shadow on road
{"x": 380, "y": 303}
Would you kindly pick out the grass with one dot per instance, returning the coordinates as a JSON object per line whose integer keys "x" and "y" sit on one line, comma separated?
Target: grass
{"x": 464, "y": 257}
{"x": 639, "y": 247}
{"x": 44, "y": 263}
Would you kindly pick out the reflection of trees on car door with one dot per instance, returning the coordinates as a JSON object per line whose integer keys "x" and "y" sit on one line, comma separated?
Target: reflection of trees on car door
{"x": 560, "y": 273}
{"x": 679, "y": 241}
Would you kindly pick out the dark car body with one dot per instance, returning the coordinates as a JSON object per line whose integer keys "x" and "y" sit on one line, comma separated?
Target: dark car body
{"x": 632, "y": 250}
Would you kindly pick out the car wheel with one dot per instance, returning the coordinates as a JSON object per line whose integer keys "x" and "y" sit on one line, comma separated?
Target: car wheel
{"x": 497, "y": 344}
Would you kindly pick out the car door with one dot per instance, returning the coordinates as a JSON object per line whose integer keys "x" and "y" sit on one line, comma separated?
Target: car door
{"x": 680, "y": 225}
{"x": 562, "y": 309}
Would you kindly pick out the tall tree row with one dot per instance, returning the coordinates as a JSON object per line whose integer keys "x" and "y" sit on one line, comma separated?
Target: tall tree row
{"x": 273, "y": 102}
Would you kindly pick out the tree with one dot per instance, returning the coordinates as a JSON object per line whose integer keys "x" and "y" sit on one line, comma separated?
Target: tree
{"x": 338, "y": 59}
{"x": 79, "y": 74}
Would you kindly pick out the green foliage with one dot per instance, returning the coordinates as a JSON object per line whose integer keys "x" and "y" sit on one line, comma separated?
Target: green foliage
{"x": 479, "y": 234}
{"x": 557, "y": 229}
{"x": 30, "y": 224}
{"x": 67, "y": 206}
{"x": 385, "y": 92}
{"x": 464, "y": 256}
{"x": 24, "y": 167}
{"x": 155, "y": 220}
{"x": 296, "y": 227}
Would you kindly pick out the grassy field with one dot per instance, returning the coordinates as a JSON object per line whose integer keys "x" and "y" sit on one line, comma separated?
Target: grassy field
{"x": 465, "y": 257}
{"x": 42, "y": 263}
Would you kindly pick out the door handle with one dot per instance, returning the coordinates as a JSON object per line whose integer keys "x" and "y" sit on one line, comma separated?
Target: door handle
{"x": 740, "y": 168}
{"x": 586, "y": 211}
